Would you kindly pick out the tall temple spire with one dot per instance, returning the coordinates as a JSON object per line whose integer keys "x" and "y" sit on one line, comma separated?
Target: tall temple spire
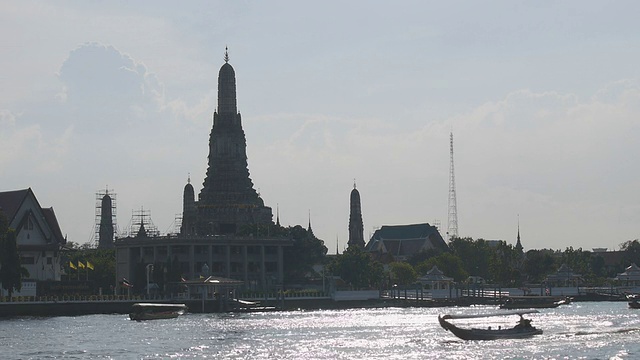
{"x": 277, "y": 214}
{"x": 228, "y": 198}
{"x": 356, "y": 227}
{"x": 518, "y": 243}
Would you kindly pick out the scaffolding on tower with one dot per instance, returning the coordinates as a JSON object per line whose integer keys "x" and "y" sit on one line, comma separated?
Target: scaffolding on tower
{"x": 141, "y": 219}
{"x": 105, "y": 198}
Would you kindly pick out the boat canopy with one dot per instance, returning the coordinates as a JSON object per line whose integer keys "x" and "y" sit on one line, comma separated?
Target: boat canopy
{"x": 501, "y": 313}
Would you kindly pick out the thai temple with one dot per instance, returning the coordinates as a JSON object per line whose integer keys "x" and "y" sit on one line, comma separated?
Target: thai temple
{"x": 210, "y": 240}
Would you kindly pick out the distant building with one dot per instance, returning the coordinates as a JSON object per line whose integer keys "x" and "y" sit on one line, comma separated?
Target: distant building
{"x": 209, "y": 242}
{"x": 399, "y": 242}
{"x": 436, "y": 280}
{"x": 38, "y": 235}
{"x": 630, "y": 276}
{"x": 564, "y": 276}
{"x": 356, "y": 227}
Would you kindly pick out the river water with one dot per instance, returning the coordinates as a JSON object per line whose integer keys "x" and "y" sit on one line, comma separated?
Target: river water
{"x": 602, "y": 330}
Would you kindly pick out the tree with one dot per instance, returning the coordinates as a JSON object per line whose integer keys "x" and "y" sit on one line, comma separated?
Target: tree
{"x": 103, "y": 262}
{"x": 631, "y": 250}
{"x": 450, "y": 264}
{"x": 538, "y": 264}
{"x": 475, "y": 255}
{"x": 357, "y": 268}
{"x": 402, "y": 273}
{"x": 11, "y": 272}
{"x": 424, "y": 255}
{"x": 306, "y": 251}
{"x": 503, "y": 264}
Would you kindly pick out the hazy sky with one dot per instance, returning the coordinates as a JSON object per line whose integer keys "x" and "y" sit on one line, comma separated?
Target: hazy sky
{"x": 543, "y": 98}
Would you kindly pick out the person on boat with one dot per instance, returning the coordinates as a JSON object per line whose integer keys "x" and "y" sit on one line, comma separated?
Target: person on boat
{"x": 523, "y": 323}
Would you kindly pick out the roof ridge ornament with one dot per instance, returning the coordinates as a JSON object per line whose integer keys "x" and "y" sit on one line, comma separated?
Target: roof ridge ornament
{"x": 226, "y": 54}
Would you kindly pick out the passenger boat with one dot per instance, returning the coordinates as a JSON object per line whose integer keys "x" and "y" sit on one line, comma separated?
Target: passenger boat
{"x": 153, "y": 311}
{"x": 534, "y": 302}
{"x": 523, "y": 329}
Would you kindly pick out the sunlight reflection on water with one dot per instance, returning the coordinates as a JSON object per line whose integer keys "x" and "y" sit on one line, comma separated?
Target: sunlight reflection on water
{"x": 580, "y": 330}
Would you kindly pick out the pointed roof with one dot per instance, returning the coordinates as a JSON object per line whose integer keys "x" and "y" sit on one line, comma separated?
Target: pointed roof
{"x": 10, "y": 202}
{"x": 435, "y": 274}
{"x": 141, "y": 231}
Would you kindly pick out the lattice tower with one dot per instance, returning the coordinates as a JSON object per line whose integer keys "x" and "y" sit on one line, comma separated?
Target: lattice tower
{"x": 99, "y": 196}
{"x": 452, "y": 229}
{"x": 142, "y": 218}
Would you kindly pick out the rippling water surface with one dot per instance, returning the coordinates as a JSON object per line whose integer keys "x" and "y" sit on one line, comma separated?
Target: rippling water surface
{"x": 605, "y": 330}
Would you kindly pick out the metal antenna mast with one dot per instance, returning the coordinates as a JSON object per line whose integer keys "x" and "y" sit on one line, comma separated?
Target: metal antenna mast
{"x": 452, "y": 230}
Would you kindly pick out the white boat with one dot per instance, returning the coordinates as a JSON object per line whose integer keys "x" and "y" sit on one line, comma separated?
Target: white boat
{"x": 522, "y": 329}
{"x": 153, "y": 311}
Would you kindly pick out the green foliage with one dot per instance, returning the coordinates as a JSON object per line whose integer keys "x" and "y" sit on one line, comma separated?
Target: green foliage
{"x": 475, "y": 255}
{"x": 631, "y": 250}
{"x": 357, "y": 268}
{"x": 538, "y": 264}
{"x": 402, "y": 273}
{"x": 450, "y": 264}
{"x": 10, "y": 271}
{"x": 306, "y": 251}
{"x": 423, "y": 255}
{"x": 504, "y": 264}
{"x": 104, "y": 266}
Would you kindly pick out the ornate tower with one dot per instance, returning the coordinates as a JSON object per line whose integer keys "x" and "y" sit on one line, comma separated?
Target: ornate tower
{"x": 189, "y": 210}
{"x": 518, "y": 246}
{"x": 105, "y": 239}
{"x": 356, "y": 227}
{"x": 228, "y": 199}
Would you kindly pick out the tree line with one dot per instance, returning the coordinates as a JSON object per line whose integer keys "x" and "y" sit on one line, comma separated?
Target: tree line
{"x": 497, "y": 263}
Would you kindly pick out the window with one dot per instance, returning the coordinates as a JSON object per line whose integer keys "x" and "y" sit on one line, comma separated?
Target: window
{"x": 49, "y": 261}
{"x": 28, "y": 224}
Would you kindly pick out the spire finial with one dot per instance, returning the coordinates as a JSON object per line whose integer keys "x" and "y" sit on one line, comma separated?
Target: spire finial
{"x": 188, "y": 178}
{"x": 354, "y": 183}
{"x": 226, "y": 54}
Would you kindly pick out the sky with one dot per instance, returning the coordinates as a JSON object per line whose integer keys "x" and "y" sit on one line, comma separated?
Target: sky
{"x": 542, "y": 98}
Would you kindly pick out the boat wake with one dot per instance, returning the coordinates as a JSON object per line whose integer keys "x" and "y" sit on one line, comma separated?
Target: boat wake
{"x": 612, "y": 331}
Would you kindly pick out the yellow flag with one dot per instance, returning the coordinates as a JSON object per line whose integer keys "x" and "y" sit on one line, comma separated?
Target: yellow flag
{"x": 89, "y": 265}
{"x": 72, "y": 265}
{"x": 80, "y": 264}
